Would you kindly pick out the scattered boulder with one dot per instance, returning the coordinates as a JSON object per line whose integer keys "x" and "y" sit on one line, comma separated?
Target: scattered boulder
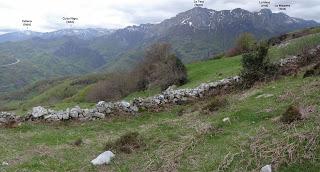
{"x": 4, "y": 163}
{"x": 266, "y": 168}
{"x": 226, "y": 120}
{"x": 264, "y": 96}
{"x": 103, "y": 158}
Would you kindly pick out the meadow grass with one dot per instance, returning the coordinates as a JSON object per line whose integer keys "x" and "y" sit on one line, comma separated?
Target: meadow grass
{"x": 63, "y": 95}
{"x": 200, "y": 72}
{"x": 191, "y": 142}
{"x": 294, "y": 47}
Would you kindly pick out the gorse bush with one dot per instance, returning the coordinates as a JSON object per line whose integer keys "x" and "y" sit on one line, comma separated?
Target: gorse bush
{"x": 257, "y": 67}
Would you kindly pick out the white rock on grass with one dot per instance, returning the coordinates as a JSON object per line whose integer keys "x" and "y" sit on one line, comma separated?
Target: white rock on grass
{"x": 5, "y": 163}
{"x": 104, "y": 158}
{"x": 264, "y": 96}
{"x": 226, "y": 120}
{"x": 266, "y": 168}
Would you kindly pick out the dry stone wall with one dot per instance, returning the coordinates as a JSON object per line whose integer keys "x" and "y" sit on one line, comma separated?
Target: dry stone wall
{"x": 103, "y": 109}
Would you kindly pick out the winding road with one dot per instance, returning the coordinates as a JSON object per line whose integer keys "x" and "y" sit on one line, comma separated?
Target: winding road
{"x": 16, "y": 62}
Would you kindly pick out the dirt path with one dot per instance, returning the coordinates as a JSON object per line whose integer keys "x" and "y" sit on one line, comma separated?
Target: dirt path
{"x": 16, "y": 62}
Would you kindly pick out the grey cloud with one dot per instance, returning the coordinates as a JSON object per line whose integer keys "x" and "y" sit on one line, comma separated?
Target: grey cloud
{"x": 133, "y": 13}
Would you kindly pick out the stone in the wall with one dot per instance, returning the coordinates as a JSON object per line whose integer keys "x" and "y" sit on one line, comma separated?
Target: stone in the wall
{"x": 6, "y": 117}
{"x": 75, "y": 112}
{"x": 99, "y": 115}
{"x": 39, "y": 111}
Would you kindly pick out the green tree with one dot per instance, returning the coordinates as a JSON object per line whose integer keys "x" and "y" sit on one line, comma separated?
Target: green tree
{"x": 256, "y": 66}
{"x": 161, "y": 68}
{"x": 245, "y": 42}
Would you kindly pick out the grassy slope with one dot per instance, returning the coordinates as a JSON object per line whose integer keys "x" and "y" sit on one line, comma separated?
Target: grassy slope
{"x": 64, "y": 95}
{"x": 203, "y": 71}
{"x": 212, "y": 70}
{"x": 295, "y": 46}
{"x": 172, "y": 141}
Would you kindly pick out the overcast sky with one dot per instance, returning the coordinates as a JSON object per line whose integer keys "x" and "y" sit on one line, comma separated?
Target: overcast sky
{"x": 46, "y": 15}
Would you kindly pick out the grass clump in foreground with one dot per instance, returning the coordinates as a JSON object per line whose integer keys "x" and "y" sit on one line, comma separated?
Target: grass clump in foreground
{"x": 177, "y": 143}
{"x": 215, "y": 104}
{"x": 292, "y": 114}
{"x": 315, "y": 71}
{"x": 127, "y": 143}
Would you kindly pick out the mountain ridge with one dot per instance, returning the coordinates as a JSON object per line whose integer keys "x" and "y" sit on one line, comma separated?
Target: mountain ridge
{"x": 100, "y": 32}
{"x": 196, "y": 34}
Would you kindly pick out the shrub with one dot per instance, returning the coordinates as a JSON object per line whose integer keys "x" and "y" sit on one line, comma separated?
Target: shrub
{"x": 161, "y": 68}
{"x": 245, "y": 43}
{"x": 11, "y": 124}
{"x": 126, "y": 143}
{"x": 115, "y": 87}
{"x": 315, "y": 71}
{"x": 218, "y": 56}
{"x": 257, "y": 67}
{"x": 233, "y": 52}
{"x": 292, "y": 114}
{"x": 215, "y": 104}
{"x": 78, "y": 142}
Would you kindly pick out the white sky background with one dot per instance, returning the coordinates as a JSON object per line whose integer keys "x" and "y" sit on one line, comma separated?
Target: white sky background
{"x": 46, "y": 14}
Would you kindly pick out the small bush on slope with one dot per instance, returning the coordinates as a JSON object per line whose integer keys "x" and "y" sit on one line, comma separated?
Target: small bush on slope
{"x": 244, "y": 44}
{"x": 315, "y": 71}
{"x": 257, "y": 67}
{"x": 126, "y": 143}
{"x": 114, "y": 87}
{"x": 161, "y": 68}
{"x": 215, "y": 104}
{"x": 292, "y": 114}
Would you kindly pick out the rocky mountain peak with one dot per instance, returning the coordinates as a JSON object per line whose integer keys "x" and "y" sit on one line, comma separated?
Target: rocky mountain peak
{"x": 265, "y": 11}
